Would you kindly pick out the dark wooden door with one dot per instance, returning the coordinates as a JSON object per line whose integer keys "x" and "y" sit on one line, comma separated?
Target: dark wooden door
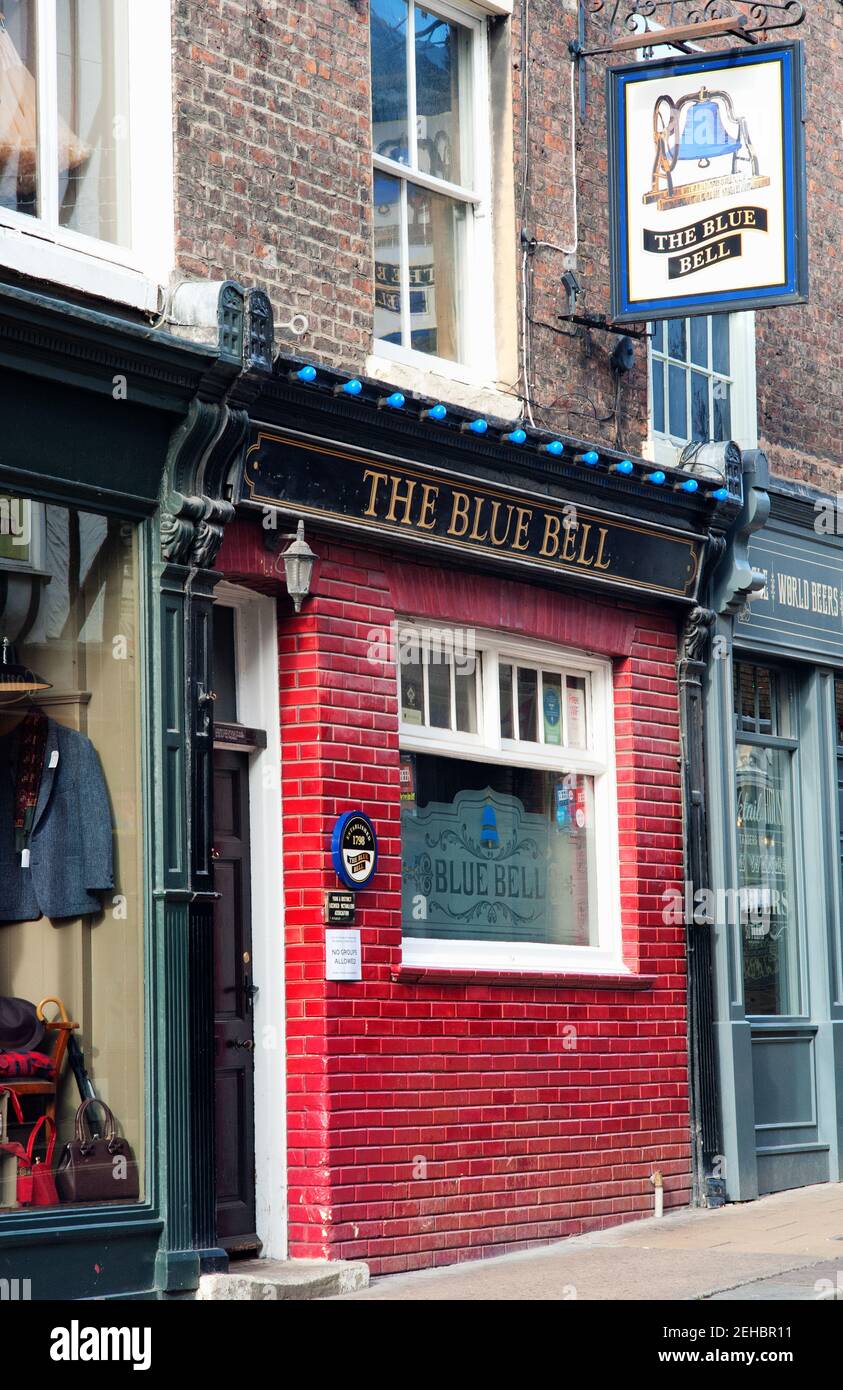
{"x": 233, "y": 1016}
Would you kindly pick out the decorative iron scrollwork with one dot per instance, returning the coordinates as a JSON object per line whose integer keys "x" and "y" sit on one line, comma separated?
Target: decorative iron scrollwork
{"x": 626, "y": 16}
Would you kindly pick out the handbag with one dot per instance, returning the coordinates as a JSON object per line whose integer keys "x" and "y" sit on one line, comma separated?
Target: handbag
{"x": 97, "y": 1169}
{"x": 36, "y": 1186}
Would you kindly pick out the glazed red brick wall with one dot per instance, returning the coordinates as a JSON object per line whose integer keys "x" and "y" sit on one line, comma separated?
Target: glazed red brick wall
{"x": 517, "y": 1139}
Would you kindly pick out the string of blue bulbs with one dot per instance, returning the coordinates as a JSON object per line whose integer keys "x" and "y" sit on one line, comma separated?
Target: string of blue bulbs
{"x": 396, "y": 401}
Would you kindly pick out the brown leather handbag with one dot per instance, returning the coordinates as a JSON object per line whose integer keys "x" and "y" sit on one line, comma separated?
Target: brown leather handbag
{"x": 97, "y": 1169}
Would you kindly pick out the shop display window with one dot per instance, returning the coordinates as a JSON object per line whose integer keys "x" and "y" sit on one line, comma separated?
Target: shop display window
{"x": 765, "y": 840}
{"x": 71, "y": 885}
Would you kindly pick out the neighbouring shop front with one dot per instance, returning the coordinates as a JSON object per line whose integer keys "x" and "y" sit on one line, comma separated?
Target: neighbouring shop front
{"x": 480, "y": 814}
{"x": 775, "y": 735}
{"x": 117, "y": 440}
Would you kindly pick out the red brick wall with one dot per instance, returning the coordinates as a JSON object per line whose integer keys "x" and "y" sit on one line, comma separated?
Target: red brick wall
{"x": 522, "y": 1140}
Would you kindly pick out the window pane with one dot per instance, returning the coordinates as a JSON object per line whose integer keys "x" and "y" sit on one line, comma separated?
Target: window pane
{"x": 528, "y": 702}
{"x": 764, "y": 687}
{"x": 577, "y": 730}
{"x": 435, "y": 232}
{"x": 551, "y": 707}
{"x": 465, "y": 681}
{"x": 494, "y": 853}
{"x": 17, "y": 517}
{"x": 225, "y": 664}
{"x": 505, "y": 686}
{"x": 412, "y": 693}
{"x": 387, "y": 199}
{"x": 442, "y": 52}
{"x": 676, "y": 385}
{"x": 721, "y": 393}
{"x": 18, "y": 109}
{"x": 658, "y": 395}
{"x": 72, "y": 923}
{"x": 93, "y": 103}
{"x": 765, "y": 881}
{"x": 720, "y": 343}
{"x": 388, "y": 27}
{"x": 699, "y": 407}
{"x": 699, "y": 340}
{"x": 676, "y": 338}
{"x": 439, "y": 693}
{"x": 657, "y": 340}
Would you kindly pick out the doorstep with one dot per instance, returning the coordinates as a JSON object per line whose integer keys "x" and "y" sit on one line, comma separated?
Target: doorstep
{"x": 260, "y": 1280}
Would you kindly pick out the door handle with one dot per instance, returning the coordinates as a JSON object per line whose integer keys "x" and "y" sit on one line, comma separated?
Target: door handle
{"x": 246, "y": 1043}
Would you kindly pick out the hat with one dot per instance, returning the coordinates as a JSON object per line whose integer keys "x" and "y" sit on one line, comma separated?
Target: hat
{"x": 21, "y": 1030}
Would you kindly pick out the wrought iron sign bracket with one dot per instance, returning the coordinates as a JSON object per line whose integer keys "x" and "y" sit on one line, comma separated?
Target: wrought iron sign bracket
{"x": 680, "y": 23}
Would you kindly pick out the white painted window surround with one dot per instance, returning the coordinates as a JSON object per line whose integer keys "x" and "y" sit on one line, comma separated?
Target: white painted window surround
{"x": 39, "y": 247}
{"x": 477, "y": 369}
{"x": 597, "y": 760}
{"x": 665, "y": 448}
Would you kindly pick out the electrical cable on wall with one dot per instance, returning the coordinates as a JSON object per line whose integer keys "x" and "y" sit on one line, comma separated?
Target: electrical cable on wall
{"x": 529, "y": 248}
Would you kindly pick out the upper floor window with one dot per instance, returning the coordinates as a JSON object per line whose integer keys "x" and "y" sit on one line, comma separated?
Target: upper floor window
{"x": 85, "y": 136}
{"x": 430, "y": 152}
{"x": 702, "y": 382}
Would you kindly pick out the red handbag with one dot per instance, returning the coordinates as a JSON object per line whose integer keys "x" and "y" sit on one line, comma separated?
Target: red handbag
{"x": 36, "y": 1185}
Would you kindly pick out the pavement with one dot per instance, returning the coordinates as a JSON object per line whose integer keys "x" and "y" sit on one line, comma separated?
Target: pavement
{"x": 785, "y": 1247}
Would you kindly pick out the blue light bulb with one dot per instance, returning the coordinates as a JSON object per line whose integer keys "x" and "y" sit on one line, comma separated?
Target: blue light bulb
{"x": 624, "y": 466}
{"x": 555, "y": 447}
{"x": 306, "y": 374}
{"x": 689, "y": 485}
{"x": 353, "y": 387}
{"x": 436, "y": 412}
{"x": 395, "y": 401}
{"x": 721, "y": 494}
{"x": 516, "y": 437}
{"x": 589, "y": 459}
{"x": 657, "y": 478}
{"x": 478, "y": 426}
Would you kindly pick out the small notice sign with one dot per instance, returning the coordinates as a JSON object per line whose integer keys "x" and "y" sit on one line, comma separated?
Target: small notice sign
{"x": 339, "y": 908}
{"x": 343, "y": 955}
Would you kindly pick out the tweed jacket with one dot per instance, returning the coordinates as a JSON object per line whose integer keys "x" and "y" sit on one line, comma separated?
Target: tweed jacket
{"x": 71, "y": 851}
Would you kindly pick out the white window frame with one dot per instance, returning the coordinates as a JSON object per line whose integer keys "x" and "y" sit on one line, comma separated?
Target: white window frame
{"x": 38, "y": 246}
{"x": 666, "y": 448}
{"x": 477, "y": 328}
{"x": 596, "y": 761}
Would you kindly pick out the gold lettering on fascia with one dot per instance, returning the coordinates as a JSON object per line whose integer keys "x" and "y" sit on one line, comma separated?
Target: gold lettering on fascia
{"x": 480, "y": 520}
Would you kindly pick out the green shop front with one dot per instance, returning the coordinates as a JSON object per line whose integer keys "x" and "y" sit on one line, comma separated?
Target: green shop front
{"x": 774, "y": 760}
{"x": 118, "y": 443}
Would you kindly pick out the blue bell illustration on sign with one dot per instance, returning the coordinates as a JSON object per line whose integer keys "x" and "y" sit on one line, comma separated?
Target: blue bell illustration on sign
{"x": 711, "y": 130}
{"x": 489, "y": 828}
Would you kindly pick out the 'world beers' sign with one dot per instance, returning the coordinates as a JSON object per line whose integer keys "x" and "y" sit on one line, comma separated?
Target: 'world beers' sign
{"x": 707, "y": 183}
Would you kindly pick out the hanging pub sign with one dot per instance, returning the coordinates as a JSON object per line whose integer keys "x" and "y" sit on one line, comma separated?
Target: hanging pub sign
{"x": 707, "y": 175}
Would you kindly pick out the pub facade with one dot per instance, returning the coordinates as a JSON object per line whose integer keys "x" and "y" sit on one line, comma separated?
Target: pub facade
{"x": 483, "y": 667}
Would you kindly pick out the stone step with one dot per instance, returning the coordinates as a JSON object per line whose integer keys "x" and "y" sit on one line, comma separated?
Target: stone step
{"x": 265, "y": 1280}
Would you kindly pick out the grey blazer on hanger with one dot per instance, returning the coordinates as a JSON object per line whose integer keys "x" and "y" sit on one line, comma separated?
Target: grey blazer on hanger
{"x": 71, "y": 850}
